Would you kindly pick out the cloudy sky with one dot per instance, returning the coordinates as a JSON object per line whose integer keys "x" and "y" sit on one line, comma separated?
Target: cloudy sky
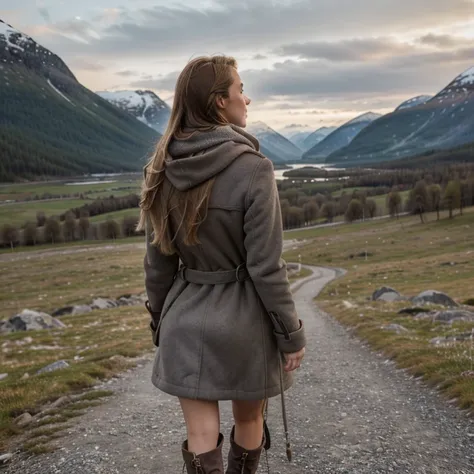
{"x": 304, "y": 63}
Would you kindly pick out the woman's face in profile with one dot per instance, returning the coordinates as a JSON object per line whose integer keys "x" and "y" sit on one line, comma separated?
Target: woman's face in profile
{"x": 234, "y": 107}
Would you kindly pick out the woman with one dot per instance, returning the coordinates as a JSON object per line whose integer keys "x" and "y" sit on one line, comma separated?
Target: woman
{"x": 223, "y": 320}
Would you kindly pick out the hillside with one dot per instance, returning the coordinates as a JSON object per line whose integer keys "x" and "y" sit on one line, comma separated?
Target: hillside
{"x": 441, "y": 123}
{"x": 297, "y": 138}
{"x": 52, "y": 126}
{"x": 339, "y": 138}
{"x": 414, "y": 101}
{"x": 273, "y": 142}
{"x": 145, "y": 105}
{"x": 316, "y": 137}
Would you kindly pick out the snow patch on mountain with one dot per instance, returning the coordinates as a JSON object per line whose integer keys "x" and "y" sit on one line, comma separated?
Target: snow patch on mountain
{"x": 466, "y": 78}
{"x": 59, "y": 92}
{"x": 367, "y": 117}
{"x": 8, "y": 31}
{"x": 414, "y": 101}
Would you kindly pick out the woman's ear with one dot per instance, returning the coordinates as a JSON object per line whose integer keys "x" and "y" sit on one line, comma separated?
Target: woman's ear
{"x": 221, "y": 102}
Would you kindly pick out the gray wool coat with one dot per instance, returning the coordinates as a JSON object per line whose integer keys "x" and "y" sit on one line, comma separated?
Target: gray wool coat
{"x": 224, "y": 341}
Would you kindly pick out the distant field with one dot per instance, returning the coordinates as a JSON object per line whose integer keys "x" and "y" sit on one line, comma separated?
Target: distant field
{"x": 19, "y": 212}
{"x": 120, "y": 185}
{"x": 118, "y": 215}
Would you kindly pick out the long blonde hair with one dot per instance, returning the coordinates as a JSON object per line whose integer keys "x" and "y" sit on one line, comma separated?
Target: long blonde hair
{"x": 201, "y": 82}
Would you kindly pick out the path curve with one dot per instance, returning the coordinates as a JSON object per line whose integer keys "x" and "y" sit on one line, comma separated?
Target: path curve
{"x": 350, "y": 412}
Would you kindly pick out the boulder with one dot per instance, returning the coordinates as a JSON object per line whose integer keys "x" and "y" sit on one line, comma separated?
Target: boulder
{"x": 81, "y": 309}
{"x": 449, "y": 316}
{"x": 434, "y": 297}
{"x": 385, "y": 293}
{"x": 6, "y": 327}
{"x": 63, "y": 311}
{"x": 3, "y": 376}
{"x": 60, "y": 364}
{"x": 23, "y": 420}
{"x": 103, "y": 303}
{"x": 29, "y": 320}
{"x": 4, "y": 458}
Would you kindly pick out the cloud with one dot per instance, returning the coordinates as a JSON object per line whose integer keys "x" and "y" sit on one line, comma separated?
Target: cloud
{"x": 318, "y": 79}
{"x": 357, "y": 49}
{"x": 259, "y": 57}
{"x": 127, "y": 73}
{"x": 445, "y": 41}
{"x": 251, "y": 26}
{"x": 86, "y": 64}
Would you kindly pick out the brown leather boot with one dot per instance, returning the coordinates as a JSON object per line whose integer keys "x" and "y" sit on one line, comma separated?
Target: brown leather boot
{"x": 205, "y": 463}
{"x": 243, "y": 461}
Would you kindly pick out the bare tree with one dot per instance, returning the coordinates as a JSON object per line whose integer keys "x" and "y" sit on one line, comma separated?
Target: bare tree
{"x": 371, "y": 207}
{"x": 10, "y": 235}
{"x": 328, "y": 211}
{"x": 434, "y": 192}
{"x": 69, "y": 226}
{"x": 452, "y": 196}
{"x": 310, "y": 211}
{"x": 421, "y": 199}
{"x": 52, "y": 230}
{"x": 110, "y": 229}
{"x": 30, "y": 233}
{"x": 394, "y": 203}
{"x": 84, "y": 225}
{"x": 355, "y": 211}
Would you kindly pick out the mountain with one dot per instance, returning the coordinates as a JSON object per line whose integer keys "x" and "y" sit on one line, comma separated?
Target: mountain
{"x": 298, "y": 138}
{"x": 52, "y": 126}
{"x": 275, "y": 143}
{"x": 317, "y": 136}
{"x": 443, "y": 122}
{"x": 418, "y": 100}
{"x": 146, "y": 106}
{"x": 339, "y": 138}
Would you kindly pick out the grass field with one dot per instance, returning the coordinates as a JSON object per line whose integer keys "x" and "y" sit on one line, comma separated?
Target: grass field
{"x": 410, "y": 257}
{"x": 404, "y": 254}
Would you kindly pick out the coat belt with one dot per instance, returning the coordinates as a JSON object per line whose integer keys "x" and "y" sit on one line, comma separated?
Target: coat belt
{"x": 220, "y": 277}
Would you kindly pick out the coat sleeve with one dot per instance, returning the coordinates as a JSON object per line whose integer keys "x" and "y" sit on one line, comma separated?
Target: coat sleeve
{"x": 160, "y": 270}
{"x": 264, "y": 246}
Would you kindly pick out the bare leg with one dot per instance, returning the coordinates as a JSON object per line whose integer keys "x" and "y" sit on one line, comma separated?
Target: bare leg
{"x": 248, "y": 417}
{"x": 202, "y": 423}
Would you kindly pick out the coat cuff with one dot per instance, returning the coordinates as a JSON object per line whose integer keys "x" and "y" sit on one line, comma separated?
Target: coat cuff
{"x": 292, "y": 341}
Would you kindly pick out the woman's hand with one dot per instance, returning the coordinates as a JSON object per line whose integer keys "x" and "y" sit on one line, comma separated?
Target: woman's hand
{"x": 293, "y": 360}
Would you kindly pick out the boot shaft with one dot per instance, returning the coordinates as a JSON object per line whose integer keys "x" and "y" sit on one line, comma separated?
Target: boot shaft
{"x": 243, "y": 461}
{"x": 210, "y": 462}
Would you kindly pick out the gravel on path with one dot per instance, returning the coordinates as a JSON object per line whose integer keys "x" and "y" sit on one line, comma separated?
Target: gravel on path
{"x": 350, "y": 411}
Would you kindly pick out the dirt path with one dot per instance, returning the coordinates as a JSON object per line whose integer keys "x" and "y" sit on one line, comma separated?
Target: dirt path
{"x": 350, "y": 411}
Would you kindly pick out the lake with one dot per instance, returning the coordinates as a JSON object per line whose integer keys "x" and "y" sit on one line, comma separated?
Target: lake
{"x": 279, "y": 173}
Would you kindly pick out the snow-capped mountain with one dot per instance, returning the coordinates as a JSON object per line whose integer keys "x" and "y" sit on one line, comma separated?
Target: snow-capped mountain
{"x": 340, "y": 137}
{"x": 413, "y": 102}
{"x": 443, "y": 122}
{"x": 317, "y": 136}
{"x": 298, "y": 138}
{"x": 52, "y": 125}
{"x": 145, "y": 105}
{"x": 274, "y": 142}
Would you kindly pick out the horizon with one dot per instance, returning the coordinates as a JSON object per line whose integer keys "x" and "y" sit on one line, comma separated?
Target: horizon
{"x": 306, "y": 64}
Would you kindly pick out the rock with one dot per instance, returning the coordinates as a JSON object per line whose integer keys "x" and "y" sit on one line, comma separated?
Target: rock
{"x": 63, "y": 311}
{"x": 453, "y": 315}
{"x": 468, "y": 374}
{"x": 395, "y": 327}
{"x": 81, "y": 309}
{"x": 4, "y": 458}
{"x": 61, "y": 402}
{"x": 348, "y": 305}
{"x": 25, "y": 376}
{"x": 385, "y": 293}
{"x": 3, "y": 376}
{"x": 434, "y": 297}
{"x": 452, "y": 339}
{"x": 103, "y": 303}
{"x": 6, "y": 327}
{"x": 60, "y": 364}
{"x": 412, "y": 311}
{"x": 23, "y": 420}
{"x": 29, "y": 320}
